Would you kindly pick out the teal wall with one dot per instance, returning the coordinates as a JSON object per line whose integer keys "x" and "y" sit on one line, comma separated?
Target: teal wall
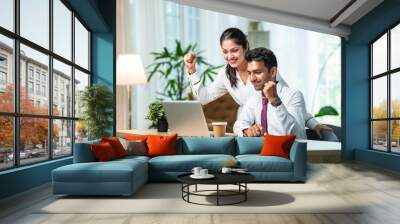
{"x": 355, "y": 90}
{"x": 99, "y": 16}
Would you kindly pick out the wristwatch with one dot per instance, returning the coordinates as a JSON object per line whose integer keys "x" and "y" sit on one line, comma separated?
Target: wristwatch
{"x": 276, "y": 102}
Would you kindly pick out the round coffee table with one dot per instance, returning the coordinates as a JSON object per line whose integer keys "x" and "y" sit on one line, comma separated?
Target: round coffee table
{"x": 238, "y": 179}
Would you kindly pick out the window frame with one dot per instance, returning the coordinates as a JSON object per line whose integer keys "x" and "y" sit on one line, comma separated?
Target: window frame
{"x": 16, "y": 114}
{"x": 388, "y": 74}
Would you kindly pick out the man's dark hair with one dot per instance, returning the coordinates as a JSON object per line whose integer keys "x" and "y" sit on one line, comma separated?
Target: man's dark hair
{"x": 262, "y": 54}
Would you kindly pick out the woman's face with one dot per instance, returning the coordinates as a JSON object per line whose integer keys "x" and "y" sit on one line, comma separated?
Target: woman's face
{"x": 233, "y": 53}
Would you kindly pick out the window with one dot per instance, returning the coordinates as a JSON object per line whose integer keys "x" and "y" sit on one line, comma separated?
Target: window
{"x": 37, "y": 75}
{"x": 30, "y": 87}
{"x": 35, "y": 22}
{"x": 3, "y": 61}
{"x": 3, "y": 78}
{"x": 62, "y": 29}
{"x": 385, "y": 97}
{"x": 6, "y": 73}
{"x": 62, "y": 74}
{"x": 44, "y": 91}
{"x": 7, "y": 14}
{"x": 81, "y": 45}
{"x": 30, "y": 72}
{"x": 38, "y": 89}
{"x": 46, "y": 129}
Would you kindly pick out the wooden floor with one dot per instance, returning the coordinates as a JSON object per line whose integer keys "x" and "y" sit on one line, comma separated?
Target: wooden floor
{"x": 379, "y": 190}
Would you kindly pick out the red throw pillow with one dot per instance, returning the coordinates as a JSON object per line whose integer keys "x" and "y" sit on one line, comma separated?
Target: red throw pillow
{"x": 136, "y": 137}
{"x": 103, "y": 152}
{"x": 161, "y": 145}
{"x": 116, "y": 145}
{"x": 277, "y": 145}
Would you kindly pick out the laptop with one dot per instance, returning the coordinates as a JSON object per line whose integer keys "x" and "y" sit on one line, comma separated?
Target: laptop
{"x": 186, "y": 118}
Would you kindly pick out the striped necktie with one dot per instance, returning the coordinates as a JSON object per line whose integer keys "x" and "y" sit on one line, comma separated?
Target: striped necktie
{"x": 264, "y": 115}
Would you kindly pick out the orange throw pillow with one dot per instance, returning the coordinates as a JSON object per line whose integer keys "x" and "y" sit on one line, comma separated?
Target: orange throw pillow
{"x": 277, "y": 145}
{"x": 116, "y": 145}
{"x": 136, "y": 137}
{"x": 103, "y": 152}
{"x": 161, "y": 145}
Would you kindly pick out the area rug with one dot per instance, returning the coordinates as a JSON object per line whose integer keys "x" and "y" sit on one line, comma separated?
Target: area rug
{"x": 167, "y": 198}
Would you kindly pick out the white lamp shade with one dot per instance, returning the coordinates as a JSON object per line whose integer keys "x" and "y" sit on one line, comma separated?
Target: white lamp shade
{"x": 130, "y": 70}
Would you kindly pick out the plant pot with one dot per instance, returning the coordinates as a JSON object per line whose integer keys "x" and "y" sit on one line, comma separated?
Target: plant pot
{"x": 162, "y": 125}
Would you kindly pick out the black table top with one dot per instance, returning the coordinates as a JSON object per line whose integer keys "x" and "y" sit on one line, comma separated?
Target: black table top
{"x": 220, "y": 178}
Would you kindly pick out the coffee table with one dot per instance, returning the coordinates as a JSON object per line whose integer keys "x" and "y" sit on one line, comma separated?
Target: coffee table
{"x": 238, "y": 179}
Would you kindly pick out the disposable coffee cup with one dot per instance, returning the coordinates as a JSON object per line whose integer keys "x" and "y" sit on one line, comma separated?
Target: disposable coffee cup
{"x": 219, "y": 128}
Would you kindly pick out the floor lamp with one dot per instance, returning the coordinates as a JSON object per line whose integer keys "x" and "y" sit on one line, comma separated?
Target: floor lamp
{"x": 130, "y": 71}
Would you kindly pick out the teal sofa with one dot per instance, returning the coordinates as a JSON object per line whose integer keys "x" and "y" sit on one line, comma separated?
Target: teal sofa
{"x": 125, "y": 176}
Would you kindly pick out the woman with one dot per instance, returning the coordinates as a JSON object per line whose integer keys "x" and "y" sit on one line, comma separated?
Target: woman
{"x": 233, "y": 78}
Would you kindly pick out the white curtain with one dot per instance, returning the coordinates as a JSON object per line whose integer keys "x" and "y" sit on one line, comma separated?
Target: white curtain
{"x": 143, "y": 32}
{"x": 122, "y": 91}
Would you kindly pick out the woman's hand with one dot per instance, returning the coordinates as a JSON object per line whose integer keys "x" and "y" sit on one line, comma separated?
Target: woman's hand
{"x": 190, "y": 62}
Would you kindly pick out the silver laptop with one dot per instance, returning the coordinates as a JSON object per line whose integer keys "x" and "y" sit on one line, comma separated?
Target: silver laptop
{"x": 186, "y": 118}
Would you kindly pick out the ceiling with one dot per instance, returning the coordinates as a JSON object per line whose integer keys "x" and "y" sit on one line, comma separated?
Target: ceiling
{"x": 326, "y": 16}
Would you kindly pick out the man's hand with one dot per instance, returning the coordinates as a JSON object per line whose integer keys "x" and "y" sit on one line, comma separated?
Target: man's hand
{"x": 320, "y": 128}
{"x": 253, "y": 131}
{"x": 190, "y": 62}
{"x": 269, "y": 91}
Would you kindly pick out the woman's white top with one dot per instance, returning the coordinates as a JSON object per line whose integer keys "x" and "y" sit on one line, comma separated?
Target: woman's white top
{"x": 240, "y": 93}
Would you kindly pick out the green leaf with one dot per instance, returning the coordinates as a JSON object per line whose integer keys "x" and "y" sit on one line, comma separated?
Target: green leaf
{"x": 326, "y": 110}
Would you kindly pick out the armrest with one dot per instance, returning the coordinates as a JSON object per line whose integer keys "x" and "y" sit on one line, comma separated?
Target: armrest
{"x": 298, "y": 155}
{"x": 83, "y": 152}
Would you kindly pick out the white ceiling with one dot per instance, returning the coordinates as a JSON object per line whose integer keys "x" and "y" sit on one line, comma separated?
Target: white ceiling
{"x": 320, "y": 9}
{"x": 315, "y": 15}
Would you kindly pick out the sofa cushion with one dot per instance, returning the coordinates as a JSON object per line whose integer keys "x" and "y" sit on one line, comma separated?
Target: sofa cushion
{"x": 249, "y": 145}
{"x": 112, "y": 171}
{"x": 257, "y": 163}
{"x": 134, "y": 147}
{"x": 103, "y": 152}
{"x": 185, "y": 163}
{"x": 277, "y": 145}
{"x": 161, "y": 145}
{"x": 207, "y": 145}
{"x": 116, "y": 145}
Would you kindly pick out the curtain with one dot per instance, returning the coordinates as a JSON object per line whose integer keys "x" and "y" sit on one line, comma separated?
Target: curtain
{"x": 122, "y": 91}
{"x": 140, "y": 30}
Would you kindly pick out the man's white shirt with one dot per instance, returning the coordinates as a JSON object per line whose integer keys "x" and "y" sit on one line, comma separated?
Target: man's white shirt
{"x": 287, "y": 118}
{"x": 241, "y": 94}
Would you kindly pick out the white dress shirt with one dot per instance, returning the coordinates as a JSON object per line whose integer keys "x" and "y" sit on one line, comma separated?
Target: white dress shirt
{"x": 287, "y": 118}
{"x": 240, "y": 94}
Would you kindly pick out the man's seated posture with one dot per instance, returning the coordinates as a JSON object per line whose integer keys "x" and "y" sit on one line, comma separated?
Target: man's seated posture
{"x": 277, "y": 109}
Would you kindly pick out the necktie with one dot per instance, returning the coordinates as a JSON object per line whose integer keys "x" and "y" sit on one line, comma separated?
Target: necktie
{"x": 264, "y": 115}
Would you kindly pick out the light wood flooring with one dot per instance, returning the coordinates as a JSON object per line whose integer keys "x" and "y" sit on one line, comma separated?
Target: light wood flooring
{"x": 378, "y": 189}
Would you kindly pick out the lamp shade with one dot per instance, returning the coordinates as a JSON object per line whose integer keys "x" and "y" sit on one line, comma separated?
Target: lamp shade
{"x": 130, "y": 70}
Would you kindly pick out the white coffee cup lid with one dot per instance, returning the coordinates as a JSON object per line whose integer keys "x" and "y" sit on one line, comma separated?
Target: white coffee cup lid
{"x": 220, "y": 123}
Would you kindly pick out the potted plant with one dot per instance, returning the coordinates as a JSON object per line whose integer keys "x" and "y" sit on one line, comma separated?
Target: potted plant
{"x": 157, "y": 117}
{"x": 169, "y": 65}
{"x": 96, "y": 102}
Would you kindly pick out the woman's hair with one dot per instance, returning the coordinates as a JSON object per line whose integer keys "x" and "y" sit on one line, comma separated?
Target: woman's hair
{"x": 239, "y": 38}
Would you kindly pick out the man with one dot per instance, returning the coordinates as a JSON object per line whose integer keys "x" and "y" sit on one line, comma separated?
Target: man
{"x": 277, "y": 109}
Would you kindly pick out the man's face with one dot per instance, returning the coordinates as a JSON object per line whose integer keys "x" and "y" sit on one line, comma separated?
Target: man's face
{"x": 260, "y": 74}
